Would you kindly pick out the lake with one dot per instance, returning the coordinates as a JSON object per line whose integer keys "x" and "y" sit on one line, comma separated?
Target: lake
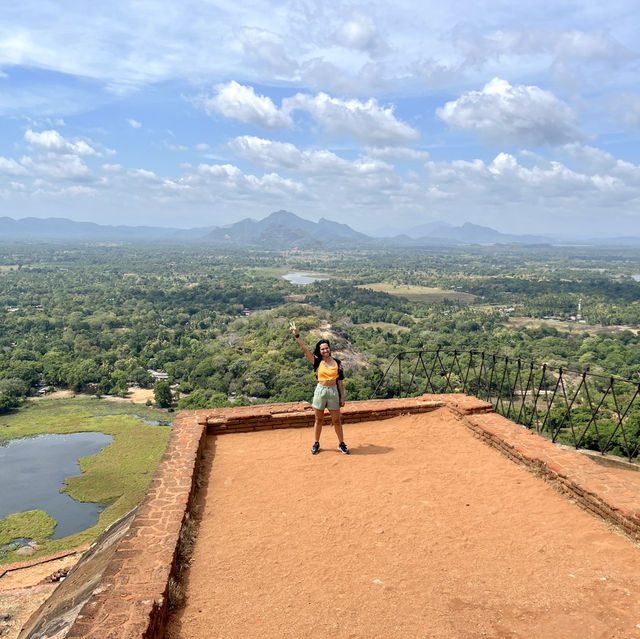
{"x": 305, "y": 278}
{"x": 33, "y": 470}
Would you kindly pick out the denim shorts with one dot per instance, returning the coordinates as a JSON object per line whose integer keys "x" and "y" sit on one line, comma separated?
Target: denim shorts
{"x": 326, "y": 397}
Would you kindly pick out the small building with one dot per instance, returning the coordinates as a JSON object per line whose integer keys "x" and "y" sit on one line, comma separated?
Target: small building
{"x": 157, "y": 375}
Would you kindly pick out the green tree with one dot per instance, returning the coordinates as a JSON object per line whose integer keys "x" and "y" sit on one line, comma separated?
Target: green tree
{"x": 13, "y": 387}
{"x": 7, "y": 403}
{"x": 162, "y": 394}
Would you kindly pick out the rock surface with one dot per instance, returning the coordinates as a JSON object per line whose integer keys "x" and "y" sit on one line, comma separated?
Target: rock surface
{"x": 56, "y": 615}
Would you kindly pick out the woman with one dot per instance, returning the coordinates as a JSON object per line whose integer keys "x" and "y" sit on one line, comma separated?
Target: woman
{"x": 329, "y": 392}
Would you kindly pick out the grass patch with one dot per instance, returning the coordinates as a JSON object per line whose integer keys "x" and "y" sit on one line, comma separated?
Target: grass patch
{"x": 386, "y": 326}
{"x": 119, "y": 474}
{"x": 53, "y": 407}
{"x": 566, "y": 326}
{"x": 270, "y": 271}
{"x": 32, "y": 524}
{"x": 420, "y": 293}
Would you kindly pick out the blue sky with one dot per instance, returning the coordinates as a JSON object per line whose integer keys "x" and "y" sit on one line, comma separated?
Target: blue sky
{"x": 521, "y": 116}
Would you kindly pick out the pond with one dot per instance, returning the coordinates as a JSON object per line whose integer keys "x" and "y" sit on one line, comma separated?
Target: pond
{"x": 305, "y": 278}
{"x": 33, "y": 470}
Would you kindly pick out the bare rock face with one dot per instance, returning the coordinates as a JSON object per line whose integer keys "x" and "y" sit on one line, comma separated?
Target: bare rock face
{"x": 26, "y": 551}
{"x": 58, "y": 613}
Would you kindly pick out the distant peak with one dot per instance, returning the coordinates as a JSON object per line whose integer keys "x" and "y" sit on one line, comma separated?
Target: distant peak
{"x": 282, "y": 215}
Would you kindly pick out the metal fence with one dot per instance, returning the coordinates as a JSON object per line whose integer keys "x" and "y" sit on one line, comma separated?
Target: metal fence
{"x": 581, "y": 409}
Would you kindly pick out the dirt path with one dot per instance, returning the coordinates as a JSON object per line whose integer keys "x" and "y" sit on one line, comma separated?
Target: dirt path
{"x": 22, "y": 591}
{"x": 134, "y": 394}
{"x": 422, "y": 532}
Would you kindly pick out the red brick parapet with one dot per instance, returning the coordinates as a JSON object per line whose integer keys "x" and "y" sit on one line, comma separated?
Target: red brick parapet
{"x": 131, "y": 599}
{"x": 462, "y": 404}
{"x": 592, "y": 486}
{"x": 300, "y": 414}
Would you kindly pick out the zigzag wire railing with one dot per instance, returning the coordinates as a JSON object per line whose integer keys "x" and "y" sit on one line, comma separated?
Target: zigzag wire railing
{"x": 581, "y": 409}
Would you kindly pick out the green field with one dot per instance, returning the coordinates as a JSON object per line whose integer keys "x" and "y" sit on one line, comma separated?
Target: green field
{"x": 118, "y": 475}
{"x": 565, "y": 326}
{"x": 420, "y": 293}
{"x": 385, "y": 326}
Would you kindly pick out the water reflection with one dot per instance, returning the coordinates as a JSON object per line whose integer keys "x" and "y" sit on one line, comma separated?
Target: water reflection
{"x": 304, "y": 278}
{"x": 33, "y": 470}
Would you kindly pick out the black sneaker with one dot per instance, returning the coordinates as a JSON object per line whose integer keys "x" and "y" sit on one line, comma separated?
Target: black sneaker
{"x": 315, "y": 449}
{"x": 343, "y": 448}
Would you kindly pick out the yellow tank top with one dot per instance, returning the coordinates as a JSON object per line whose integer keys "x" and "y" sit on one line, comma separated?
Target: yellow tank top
{"x": 326, "y": 373}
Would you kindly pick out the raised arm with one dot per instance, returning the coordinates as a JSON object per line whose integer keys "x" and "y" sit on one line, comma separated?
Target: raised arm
{"x": 303, "y": 346}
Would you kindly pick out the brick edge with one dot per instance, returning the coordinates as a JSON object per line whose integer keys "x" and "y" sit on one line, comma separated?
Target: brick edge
{"x": 132, "y": 597}
{"x": 573, "y": 474}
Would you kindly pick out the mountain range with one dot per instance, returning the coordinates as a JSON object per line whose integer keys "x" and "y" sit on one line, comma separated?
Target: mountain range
{"x": 59, "y": 228}
{"x": 283, "y": 229}
{"x": 279, "y": 230}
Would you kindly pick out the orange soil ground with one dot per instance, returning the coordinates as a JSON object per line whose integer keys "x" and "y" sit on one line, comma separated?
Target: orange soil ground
{"x": 423, "y": 531}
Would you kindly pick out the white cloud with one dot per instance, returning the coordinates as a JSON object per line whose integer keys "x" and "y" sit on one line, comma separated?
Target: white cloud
{"x": 65, "y": 195}
{"x": 79, "y": 191}
{"x": 268, "y": 48}
{"x": 398, "y": 153}
{"x": 505, "y": 114}
{"x": 591, "y": 47}
{"x": 287, "y": 157}
{"x": 547, "y": 193}
{"x": 277, "y": 155}
{"x": 520, "y": 192}
{"x": 113, "y": 168}
{"x": 319, "y": 73}
{"x": 569, "y": 45}
{"x": 202, "y": 146}
{"x": 53, "y": 142}
{"x": 238, "y": 183}
{"x": 8, "y": 166}
{"x": 234, "y": 100}
{"x": 358, "y": 32}
{"x": 589, "y": 159}
{"x": 58, "y": 166}
{"x": 134, "y": 124}
{"x": 365, "y": 121}
{"x": 133, "y": 44}
{"x": 144, "y": 174}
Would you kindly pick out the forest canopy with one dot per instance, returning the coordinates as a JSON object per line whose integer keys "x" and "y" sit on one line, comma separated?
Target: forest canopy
{"x": 97, "y": 318}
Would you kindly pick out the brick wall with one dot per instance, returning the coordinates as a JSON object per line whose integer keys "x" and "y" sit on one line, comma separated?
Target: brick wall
{"x": 131, "y": 599}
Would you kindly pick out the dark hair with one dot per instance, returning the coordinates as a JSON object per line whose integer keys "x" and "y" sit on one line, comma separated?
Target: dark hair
{"x": 316, "y": 350}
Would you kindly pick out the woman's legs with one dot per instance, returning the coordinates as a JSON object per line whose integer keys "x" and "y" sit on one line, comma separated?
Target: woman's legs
{"x": 336, "y": 419}
{"x": 317, "y": 426}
